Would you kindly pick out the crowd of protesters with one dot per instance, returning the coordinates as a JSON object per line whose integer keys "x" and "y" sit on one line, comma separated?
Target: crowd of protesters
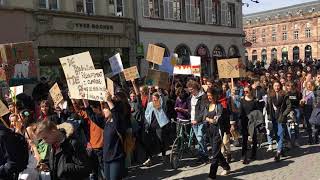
{"x": 84, "y": 139}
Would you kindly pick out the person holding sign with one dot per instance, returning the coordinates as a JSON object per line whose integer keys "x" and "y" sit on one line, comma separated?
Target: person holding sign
{"x": 114, "y": 130}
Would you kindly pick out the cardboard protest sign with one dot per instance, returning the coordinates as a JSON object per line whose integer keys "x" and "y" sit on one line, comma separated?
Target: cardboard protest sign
{"x": 56, "y": 94}
{"x": 157, "y": 78}
{"x": 110, "y": 86}
{"x": 182, "y": 69}
{"x": 116, "y": 64}
{"x": 3, "y": 109}
{"x": 15, "y": 90}
{"x": 131, "y": 73}
{"x": 155, "y": 54}
{"x": 195, "y": 62}
{"x": 72, "y": 66}
{"x": 21, "y": 66}
{"x": 231, "y": 68}
{"x": 93, "y": 85}
{"x": 167, "y": 65}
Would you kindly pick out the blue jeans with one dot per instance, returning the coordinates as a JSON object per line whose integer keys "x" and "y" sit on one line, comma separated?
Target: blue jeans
{"x": 278, "y": 129}
{"x": 199, "y": 133}
{"x": 114, "y": 170}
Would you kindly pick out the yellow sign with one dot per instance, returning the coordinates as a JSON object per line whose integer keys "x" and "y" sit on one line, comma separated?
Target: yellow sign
{"x": 131, "y": 73}
{"x": 231, "y": 68}
{"x": 56, "y": 94}
{"x": 155, "y": 54}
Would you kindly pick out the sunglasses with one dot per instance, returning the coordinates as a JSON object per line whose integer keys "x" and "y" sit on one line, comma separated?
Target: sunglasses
{"x": 246, "y": 92}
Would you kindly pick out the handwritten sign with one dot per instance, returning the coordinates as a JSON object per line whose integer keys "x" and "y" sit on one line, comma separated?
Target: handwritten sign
{"x": 157, "y": 78}
{"x": 195, "y": 62}
{"x": 231, "y": 68}
{"x": 131, "y": 73}
{"x": 116, "y": 64}
{"x": 15, "y": 90}
{"x": 155, "y": 54}
{"x": 110, "y": 86}
{"x": 72, "y": 66}
{"x": 182, "y": 69}
{"x": 56, "y": 95}
{"x": 3, "y": 109}
{"x": 93, "y": 85}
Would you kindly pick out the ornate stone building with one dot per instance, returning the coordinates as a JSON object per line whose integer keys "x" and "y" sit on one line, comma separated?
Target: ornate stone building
{"x": 289, "y": 33}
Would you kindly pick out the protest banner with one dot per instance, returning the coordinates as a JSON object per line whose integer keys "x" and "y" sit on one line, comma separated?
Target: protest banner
{"x": 20, "y": 63}
{"x": 167, "y": 65}
{"x": 110, "y": 86}
{"x": 15, "y": 90}
{"x": 155, "y": 54}
{"x": 56, "y": 94}
{"x": 93, "y": 85}
{"x": 72, "y": 66}
{"x": 231, "y": 68}
{"x": 3, "y": 109}
{"x": 131, "y": 73}
{"x": 195, "y": 62}
{"x": 157, "y": 78}
{"x": 116, "y": 64}
{"x": 182, "y": 69}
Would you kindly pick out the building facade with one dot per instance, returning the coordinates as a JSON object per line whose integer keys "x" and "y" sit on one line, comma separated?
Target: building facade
{"x": 211, "y": 29}
{"x": 290, "y": 33}
{"x": 60, "y": 28}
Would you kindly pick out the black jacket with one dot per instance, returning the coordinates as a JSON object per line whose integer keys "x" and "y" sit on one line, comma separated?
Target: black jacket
{"x": 72, "y": 162}
{"x": 8, "y": 161}
{"x": 200, "y": 108}
{"x": 283, "y": 108}
{"x": 258, "y": 94}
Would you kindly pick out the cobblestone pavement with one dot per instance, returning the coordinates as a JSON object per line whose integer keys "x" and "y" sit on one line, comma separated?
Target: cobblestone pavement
{"x": 301, "y": 163}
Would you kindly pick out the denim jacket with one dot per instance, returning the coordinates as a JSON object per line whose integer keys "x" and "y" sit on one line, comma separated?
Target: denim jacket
{"x": 159, "y": 113}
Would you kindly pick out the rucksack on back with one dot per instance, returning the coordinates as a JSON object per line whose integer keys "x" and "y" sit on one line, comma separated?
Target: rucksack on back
{"x": 21, "y": 145}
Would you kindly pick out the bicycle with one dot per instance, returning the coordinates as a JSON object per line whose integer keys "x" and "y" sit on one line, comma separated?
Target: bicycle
{"x": 182, "y": 143}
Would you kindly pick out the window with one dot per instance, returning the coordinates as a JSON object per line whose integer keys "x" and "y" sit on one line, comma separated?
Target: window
{"x": 154, "y": 8}
{"x": 48, "y": 4}
{"x": 85, "y": 6}
{"x": 197, "y": 8}
{"x": 216, "y": 13}
{"x": 231, "y": 15}
{"x": 172, "y": 9}
{"x": 284, "y": 36}
{"x": 116, "y": 7}
{"x": 1, "y": 2}
{"x": 296, "y": 35}
{"x": 284, "y": 28}
{"x": 254, "y": 37}
{"x": 263, "y": 35}
{"x": 274, "y": 34}
{"x": 308, "y": 33}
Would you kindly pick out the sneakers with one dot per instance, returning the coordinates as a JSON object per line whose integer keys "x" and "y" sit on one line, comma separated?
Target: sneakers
{"x": 270, "y": 148}
{"x": 225, "y": 172}
{"x": 147, "y": 162}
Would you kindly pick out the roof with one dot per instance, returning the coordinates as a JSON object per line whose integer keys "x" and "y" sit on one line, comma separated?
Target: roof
{"x": 295, "y": 10}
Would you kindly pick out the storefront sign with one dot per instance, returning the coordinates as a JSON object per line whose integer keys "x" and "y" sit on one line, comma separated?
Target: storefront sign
{"x": 140, "y": 50}
{"x": 56, "y": 95}
{"x": 83, "y": 25}
{"x": 93, "y": 85}
{"x": 131, "y": 73}
{"x": 72, "y": 66}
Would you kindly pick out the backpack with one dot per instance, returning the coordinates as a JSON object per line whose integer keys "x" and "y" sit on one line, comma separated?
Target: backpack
{"x": 22, "y": 147}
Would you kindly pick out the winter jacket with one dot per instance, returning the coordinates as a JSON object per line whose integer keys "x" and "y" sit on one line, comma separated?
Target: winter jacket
{"x": 283, "y": 108}
{"x": 184, "y": 104}
{"x": 258, "y": 95}
{"x": 138, "y": 111}
{"x": 8, "y": 161}
{"x": 70, "y": 161}
{"x": 200, "y": 107}
{"x": 256, "y": 119}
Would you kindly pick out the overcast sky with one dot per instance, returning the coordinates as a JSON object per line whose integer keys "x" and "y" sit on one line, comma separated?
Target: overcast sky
{"x": 269, "y": 4}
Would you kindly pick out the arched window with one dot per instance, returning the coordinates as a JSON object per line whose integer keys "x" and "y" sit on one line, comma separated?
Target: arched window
{"x": 233, "y": 52}
{"x": 254, "y": 56}
{"x": 296, "y": 53}
{"x": 274, "y": 54}
{"x": 308, "y": 52}
{"x": 184, "y": 53}
{"x": 264, "y": 55}
{"x": 284, "y": 55}
{"x": 203, "y": 51}
{"x": 218, "y": 52}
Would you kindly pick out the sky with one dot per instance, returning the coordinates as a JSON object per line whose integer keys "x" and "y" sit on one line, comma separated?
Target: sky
{"x": 265, "y": 5}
